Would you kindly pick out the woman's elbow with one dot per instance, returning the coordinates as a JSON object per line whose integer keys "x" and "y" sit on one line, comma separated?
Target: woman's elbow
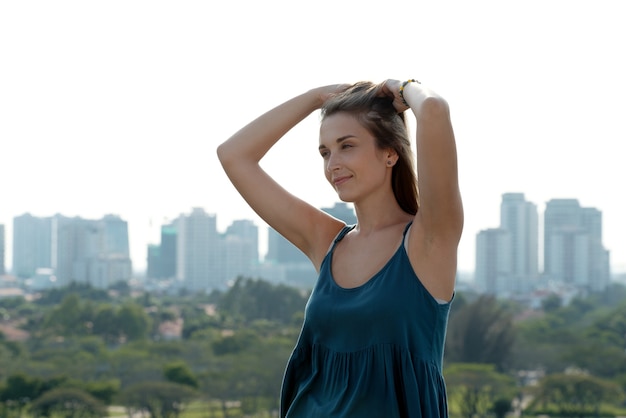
{"x": 224, "y": 153}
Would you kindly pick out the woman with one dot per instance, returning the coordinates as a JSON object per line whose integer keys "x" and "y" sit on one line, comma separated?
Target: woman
{"x": 372, "y": 340}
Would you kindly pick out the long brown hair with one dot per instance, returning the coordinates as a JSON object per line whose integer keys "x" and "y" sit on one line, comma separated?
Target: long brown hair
{"x": 382, "y": 120}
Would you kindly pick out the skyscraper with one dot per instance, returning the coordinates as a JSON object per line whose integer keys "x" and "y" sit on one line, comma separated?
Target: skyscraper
{"x": 198, "y": 252}
{"x": 240, "y": 248}
{"x": 520, "y": 218}
{"x": 91, "y": 251}
{"x": 72, "y": 249}
{"x": 493, "y": 273}
{"x": 168, "y": 251}
{"x": 162, "y": 258}
{"x": 573, "y": 249}
{"x": 282, "y": 251}
{"x": 2, "y": 247}
{"x": 32, "y": 244}
{"x": 341, "y": 210}
{"x": 507, "y": 257}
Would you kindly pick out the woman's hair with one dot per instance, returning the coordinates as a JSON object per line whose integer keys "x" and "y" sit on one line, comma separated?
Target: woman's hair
{"x": 378, "y": 115}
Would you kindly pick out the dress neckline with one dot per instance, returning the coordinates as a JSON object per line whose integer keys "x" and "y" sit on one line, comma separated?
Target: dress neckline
{"x": 374, "y": 276}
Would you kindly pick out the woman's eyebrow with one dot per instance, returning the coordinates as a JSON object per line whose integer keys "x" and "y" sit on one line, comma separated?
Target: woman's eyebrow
{"x": 339, "y": 140}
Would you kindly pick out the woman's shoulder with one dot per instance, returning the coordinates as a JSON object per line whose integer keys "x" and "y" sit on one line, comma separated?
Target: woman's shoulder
{"x": 433, "y": 259}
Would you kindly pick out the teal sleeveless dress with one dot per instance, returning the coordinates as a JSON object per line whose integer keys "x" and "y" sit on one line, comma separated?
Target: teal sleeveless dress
{"x": 371, "y": 351}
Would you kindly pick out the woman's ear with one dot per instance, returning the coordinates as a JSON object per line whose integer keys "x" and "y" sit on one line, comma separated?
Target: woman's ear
{"x": 392, "y": 158}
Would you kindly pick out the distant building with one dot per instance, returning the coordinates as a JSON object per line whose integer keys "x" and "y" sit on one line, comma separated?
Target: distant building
{"x": 91, "y": 251}
{"x": 573, "y": 249}
{"x": 297, "y": 268}
{"x": 168, "y": 251}
{"x": 32, "y": 245}
{"x": 72, "y": 249}
{"x": 199, "y": 258}
{"x": 507, "y": 257}
{"x": 279, "y": 250}
{"x": 162, "y": 257}
{"x": 342, "y": 211}
{"x": 240, "y": 248}
{"x": 493, "y": 273}
{"x": 2, "y": 251}
{"x": 520, "y": 218}
{"x": 198, "y": 252}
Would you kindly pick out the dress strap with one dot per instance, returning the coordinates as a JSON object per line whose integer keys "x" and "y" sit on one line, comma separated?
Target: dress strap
{"x": 340, "y": 236}
{"x": 406, "y": 228}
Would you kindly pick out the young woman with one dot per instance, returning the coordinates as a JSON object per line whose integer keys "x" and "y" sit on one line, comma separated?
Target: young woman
{"x": 372, "y": 340}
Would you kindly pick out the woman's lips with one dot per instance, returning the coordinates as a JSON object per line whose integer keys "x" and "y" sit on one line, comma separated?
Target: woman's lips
{"x": 340, "y": 180}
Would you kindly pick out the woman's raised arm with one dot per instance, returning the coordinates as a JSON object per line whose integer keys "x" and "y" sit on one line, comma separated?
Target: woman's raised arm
{"x": 307, "y": 227}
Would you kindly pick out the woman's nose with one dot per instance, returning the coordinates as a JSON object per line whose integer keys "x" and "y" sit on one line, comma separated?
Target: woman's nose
{"x": 332, "y": 163}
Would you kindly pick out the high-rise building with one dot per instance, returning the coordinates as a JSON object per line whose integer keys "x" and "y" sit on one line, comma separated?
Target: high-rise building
{"x": 153, "y": 269}
{"x": 168, "y": 251}
{"x": 32, "y": 245}
{"x": 2, "y": 251}
{"x": 162, "y": 258}
{"x": 573, "y": 249}
{"x": 297, "y": 268}
{"x": 247, "y": 231}
{"x": 493, "y": 274}
{"x": 507, "y": 257}
{"x": 115, "y": 231}
{"x": 72, "y": 249}
{"x": 198, "y": 251}
{"x": 240, "y": 247}
{"x": 279, "y": 250}
{"x": 520, "y": 218}
{"x": 342, "y": 211}
{"x": 91, "y": 251}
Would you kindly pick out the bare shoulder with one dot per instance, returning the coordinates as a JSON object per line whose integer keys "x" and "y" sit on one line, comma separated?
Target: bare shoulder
{"x": 434, "y": 259}
{"x": 316, "y": 232}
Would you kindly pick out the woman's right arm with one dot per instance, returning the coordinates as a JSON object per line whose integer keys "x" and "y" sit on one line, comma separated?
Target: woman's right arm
{"x": 308, "y": 228}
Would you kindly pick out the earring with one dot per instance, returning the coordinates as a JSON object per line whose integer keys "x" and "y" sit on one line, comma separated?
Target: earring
{"x": 389, "y": 162}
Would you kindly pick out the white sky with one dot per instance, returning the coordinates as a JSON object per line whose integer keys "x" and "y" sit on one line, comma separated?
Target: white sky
{"x": 117, "y": 106}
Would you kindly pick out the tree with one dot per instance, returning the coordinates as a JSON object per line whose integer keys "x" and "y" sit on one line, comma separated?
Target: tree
{"x": 103, "y": 391}
{"x": 248, "y": 300}
{"x": 574, "y": 394}
{"x": 19, "y": 391}
{"x": 481, "y": 332}
{"x": 551, "y": 303}
{"x": 232, "y": 344}
{"x": 477, "y": 389}
{"x": 133, "y": 322}
{"x": 179, "y": 372}
{"x": 70, "y": 318}
{"x": 159, "y": 399}
{"x": 105, "y": 324}
{"x": 69, "y": 403}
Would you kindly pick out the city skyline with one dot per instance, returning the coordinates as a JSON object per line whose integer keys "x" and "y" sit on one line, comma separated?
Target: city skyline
{"x": 127, "y": 121}
{"x": 140, "y": 265}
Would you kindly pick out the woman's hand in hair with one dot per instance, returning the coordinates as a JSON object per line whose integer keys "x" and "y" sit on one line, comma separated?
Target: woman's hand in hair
{"x": 391, "y": 88}
{"x": 326, "y": 92}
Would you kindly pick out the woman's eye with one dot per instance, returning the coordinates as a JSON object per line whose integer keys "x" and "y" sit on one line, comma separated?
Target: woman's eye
{"x": 344, "y": 146}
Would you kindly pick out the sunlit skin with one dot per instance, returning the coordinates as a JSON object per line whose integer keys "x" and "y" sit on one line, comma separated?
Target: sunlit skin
{"x": 359, "y": 172}
{"x": 353, "y": 164}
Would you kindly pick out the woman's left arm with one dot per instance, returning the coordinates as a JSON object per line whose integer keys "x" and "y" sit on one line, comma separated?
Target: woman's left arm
{"x": 441, "y": 209}
{"x": 436, "y": 231}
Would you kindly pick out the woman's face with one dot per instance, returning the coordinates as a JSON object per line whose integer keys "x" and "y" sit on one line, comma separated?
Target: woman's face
{"x": 353, "y": 164}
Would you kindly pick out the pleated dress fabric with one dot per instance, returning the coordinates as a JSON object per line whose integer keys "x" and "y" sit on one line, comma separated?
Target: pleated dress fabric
{"x": 371, "y": 351}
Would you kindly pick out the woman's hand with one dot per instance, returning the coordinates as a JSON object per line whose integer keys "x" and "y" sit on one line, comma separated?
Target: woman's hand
{"x": 326, "y": 92}
{"x": 391, "y": 88}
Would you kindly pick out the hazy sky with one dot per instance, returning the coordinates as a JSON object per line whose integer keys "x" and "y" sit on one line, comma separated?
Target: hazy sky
{"x": 118, "y": 106}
